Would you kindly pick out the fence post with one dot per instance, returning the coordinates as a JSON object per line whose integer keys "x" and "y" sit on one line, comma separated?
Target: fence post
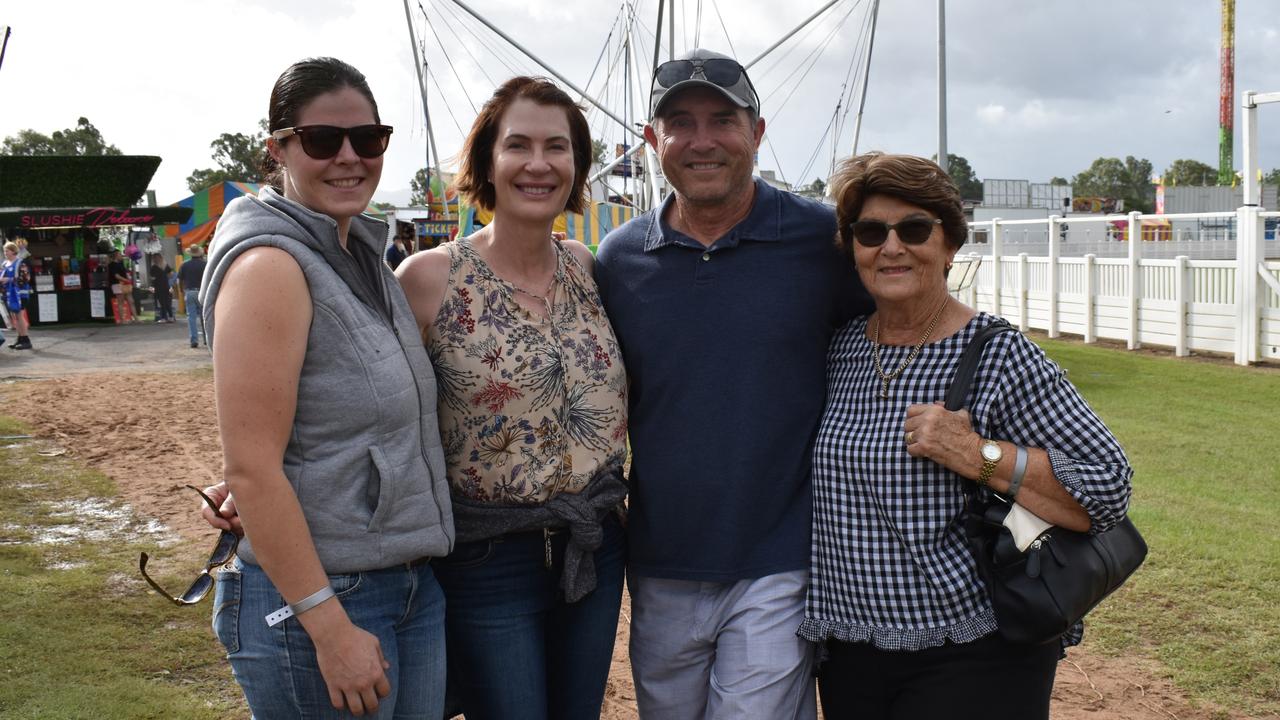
{"x": 1023, "y": 323}
{"x": 1249, "y": 252}
{"x": 1135, "y": 276}
{"x": 1090, "y": 295}
{"x": 973, "y": 286}
{"x": 997, "y": 243}
{"x": 1181, "y": 287}
{"x": 1054, "y": 224}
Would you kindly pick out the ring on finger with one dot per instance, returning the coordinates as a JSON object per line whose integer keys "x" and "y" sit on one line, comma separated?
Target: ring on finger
{"x": 911, "y": 437}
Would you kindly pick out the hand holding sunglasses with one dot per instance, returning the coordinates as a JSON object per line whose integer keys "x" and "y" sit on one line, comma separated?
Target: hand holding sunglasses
{"x": 322, "y": 142}
{"x": 912, "y": 231}
{"x": 222, "y": 554}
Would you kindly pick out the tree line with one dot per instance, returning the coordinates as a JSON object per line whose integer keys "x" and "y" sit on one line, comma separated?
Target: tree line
{"x": 238, "y": 157}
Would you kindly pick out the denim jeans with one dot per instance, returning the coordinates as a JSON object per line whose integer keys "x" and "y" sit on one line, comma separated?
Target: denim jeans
{"x": 276, "y": 666}
{"x": 195, "y": 322}
{"x": 517, "y": 650}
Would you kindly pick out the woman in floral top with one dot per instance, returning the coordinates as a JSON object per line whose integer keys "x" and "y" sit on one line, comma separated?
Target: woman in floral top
{"x": 533, "y": 419}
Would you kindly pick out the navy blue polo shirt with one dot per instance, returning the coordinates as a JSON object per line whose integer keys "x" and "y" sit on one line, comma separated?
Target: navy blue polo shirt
{"x": 725, "y": 349}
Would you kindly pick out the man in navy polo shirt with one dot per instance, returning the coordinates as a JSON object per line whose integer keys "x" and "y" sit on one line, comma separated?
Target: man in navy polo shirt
{"x": 724, "y": 300}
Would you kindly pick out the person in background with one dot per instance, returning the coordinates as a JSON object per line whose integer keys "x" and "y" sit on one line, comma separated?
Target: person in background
{"x": 724, "y": 300}
{"x": 894, "y": 592}
{"x": 189, "y": 276}
{"x": 161, "y": 275}
{"x": 326, "y": 406}
{"x": 396, "y": 252}
{"x": 16, "y": 278}
{"x": 121, "y": 288}
{"x": 533, "y": 419}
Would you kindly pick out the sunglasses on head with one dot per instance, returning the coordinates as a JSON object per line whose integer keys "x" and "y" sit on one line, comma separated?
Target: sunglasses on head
{"x": 718, "y": 71}
{"x": 322, "y": 142}
{"x": 221, "y": 555}
{"x": 913, "y": 231}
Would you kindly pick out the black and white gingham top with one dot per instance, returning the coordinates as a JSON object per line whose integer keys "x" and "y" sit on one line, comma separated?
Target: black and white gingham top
{"x": 889, "y": 563}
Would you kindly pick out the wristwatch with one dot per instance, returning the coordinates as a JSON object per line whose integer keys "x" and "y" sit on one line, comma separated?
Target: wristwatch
{"x": 991, "y": 454}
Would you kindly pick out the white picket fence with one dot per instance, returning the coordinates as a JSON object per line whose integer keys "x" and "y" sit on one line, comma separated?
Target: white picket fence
{"x": 1227, "y": 306}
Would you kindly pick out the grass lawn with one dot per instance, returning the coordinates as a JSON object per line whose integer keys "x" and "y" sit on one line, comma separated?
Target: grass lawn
{"x": 1204, "y": 440}
{"x": 81, "y": 635}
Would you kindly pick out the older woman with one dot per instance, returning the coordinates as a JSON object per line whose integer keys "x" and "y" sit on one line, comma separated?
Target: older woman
{"x": 327, "y": 412}
{"x": 893, "y": 592}
{"x": 533, "y": 419}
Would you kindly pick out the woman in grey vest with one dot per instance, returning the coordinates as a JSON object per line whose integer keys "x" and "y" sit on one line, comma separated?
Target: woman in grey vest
{"x": 327, "y": 412}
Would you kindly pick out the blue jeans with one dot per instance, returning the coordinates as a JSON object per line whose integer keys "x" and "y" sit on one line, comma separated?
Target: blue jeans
{"x": 517, "y": 650}
{"x": 194, "y": 321}
{"x": 276, "y": 666}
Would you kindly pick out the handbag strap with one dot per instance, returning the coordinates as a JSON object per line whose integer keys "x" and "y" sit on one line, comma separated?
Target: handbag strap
{"x": 959, "y": 388}
{"x": 967, "y": 368}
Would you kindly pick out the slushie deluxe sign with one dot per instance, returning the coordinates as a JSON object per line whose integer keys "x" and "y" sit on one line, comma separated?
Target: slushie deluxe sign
{"x": 96, "y": 217}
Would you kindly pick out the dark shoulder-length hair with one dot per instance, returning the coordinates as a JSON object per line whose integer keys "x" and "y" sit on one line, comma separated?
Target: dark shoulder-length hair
{"x": 297, "y": 86}
{"x": 908, "y": 178}
{"x": 476, "y": 165}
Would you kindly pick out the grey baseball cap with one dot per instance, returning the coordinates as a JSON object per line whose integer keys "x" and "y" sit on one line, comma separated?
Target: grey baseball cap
{"x": 703, "y": 68}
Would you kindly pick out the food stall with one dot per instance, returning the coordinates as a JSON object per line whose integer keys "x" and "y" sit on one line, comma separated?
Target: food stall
{"x": 56, "y": 208}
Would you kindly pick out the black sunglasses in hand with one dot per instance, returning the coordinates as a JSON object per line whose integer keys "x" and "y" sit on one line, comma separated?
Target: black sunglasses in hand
{"x": 222, "y": 554}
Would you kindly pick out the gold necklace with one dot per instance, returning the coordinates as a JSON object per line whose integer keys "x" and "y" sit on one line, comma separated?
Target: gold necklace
{"x": 551, "y": 286}
{"x": 885, "y": 379}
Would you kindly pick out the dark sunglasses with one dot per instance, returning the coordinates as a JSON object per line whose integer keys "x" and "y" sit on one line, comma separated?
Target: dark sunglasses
{"x": 324, "y": 141}
{"x": 913, "y": 231}
{"x": 718, "y": 71}
{"x": 221, "y": 555}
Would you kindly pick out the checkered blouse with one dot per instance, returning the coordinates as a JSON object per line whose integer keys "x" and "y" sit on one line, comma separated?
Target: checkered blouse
{"x": 889, "y": 562}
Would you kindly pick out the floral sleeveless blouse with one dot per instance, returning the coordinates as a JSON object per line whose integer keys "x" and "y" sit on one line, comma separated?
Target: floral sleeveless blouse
{"x": 529, "y": 407}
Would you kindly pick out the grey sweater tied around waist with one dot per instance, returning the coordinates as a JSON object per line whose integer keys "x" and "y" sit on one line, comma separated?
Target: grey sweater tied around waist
{"x": 582, "y": 513}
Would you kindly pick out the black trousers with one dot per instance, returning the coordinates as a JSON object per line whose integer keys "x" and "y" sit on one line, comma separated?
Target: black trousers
{"x": 988, "y": 679}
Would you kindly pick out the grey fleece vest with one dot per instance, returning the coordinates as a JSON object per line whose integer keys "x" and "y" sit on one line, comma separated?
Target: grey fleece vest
{"x": 364, "y": 455}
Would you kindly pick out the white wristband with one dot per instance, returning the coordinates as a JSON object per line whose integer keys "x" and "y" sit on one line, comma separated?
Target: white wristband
{"x": 303, "y": 605}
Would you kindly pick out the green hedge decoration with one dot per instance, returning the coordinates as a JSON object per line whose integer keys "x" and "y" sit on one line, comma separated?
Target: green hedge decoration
{"x": 60, "y": 181}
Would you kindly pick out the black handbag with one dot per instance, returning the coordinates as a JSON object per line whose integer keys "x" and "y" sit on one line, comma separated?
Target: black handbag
{"x": 1038, "y": 595}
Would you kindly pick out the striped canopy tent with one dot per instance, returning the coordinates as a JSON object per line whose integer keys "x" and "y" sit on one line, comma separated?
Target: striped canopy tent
{"x": 206, "y": 207}
{"x": 588, "y": 228}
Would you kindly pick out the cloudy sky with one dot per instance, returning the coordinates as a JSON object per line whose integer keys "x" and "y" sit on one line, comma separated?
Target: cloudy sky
{"x": 1036, "y": 88}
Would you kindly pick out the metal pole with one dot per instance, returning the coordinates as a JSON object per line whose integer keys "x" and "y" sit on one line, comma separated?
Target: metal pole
{"x": 548, "y": 68}
{"x": 942, "y": 85}
{"x": 418, "y": 64}
{"x": 786, "y": 37}
{"x": 4, "y": 43}
{"x": 650, "y": 158}
{"x": 1250, "y": 103}
{"x": 431, "y": 140}
{"x": 1251, "y": 184}
{"x": 1226, "y": 95}
{"x": 866, "y": 76}
{"x": 657, "y": 38}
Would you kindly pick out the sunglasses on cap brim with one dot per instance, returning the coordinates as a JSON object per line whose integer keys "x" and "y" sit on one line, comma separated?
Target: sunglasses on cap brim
{"x": 721, "y": 72}
{"x": 322, "y": 142}
{"x": 874, "y": 233}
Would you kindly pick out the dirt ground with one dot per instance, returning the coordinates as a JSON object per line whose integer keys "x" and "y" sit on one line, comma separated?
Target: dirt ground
{"x": 136, "y": 403}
